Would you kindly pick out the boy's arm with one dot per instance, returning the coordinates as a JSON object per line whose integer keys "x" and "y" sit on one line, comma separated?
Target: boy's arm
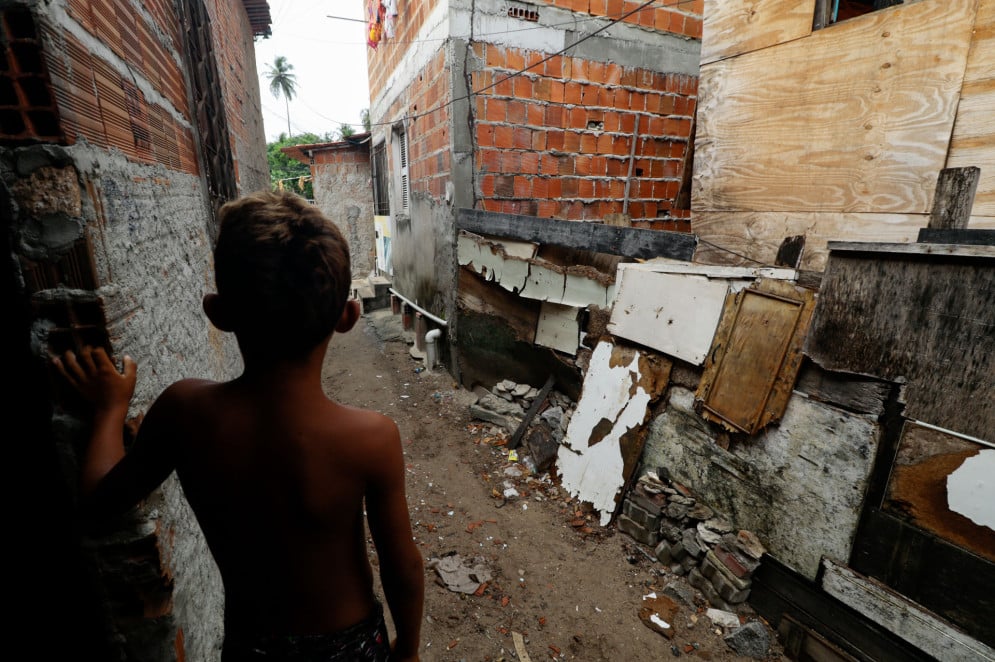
{"x": 112, "y": 481}
{"x": 402, "y": 572}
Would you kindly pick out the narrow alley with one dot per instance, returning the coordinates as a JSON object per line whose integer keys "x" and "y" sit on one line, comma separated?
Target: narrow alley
{"x": 571, "y": 589}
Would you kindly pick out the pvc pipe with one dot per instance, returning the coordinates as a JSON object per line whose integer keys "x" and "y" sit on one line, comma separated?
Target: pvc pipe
{"x": 437, "y": 320}
{"x": 430, "y": 348}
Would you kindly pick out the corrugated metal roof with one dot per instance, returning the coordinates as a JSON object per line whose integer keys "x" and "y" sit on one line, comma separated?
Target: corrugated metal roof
{"x": 259, "y": 17}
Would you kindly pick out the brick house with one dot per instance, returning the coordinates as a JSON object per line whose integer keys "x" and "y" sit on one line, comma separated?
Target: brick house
{"x": 124, "y": 126}
{"x": 552, "y": 110}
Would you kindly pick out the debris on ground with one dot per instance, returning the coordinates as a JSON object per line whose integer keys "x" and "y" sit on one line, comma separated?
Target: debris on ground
{"x": 459, "y": 575}
{"x": 658, "y": 613}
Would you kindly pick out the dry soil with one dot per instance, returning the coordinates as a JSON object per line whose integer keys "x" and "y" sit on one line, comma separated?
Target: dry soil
{"x": 571, "y": 589}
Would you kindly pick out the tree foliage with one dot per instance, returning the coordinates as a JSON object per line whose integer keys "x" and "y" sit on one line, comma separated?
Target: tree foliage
{"x": 283, "y": 168}
{"x": 283, "y": 83}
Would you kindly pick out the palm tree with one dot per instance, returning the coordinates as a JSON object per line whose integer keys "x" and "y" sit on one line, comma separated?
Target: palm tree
{"x": 281, "y": 81}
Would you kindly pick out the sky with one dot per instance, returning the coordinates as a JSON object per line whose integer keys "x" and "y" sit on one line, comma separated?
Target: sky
{"x": 329, "y": 60}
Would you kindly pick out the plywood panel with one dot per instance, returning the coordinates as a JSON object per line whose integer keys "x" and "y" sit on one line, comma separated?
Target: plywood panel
{"x": 927, "y": 319}
{"x": 973, "y": 140}
{"x": 732, "y": 27}
{"x": 853, "y": 118}
{"x": 558, "y": 327}
{"x": 758, "y": 235}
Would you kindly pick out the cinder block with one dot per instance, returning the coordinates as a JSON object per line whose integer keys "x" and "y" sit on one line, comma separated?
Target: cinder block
{"x": 631, "y": 528}
{"x": 720, "y": 568}
{"x": 662, "y": 552}
{"x": 647, "y": 519}
{"x": 697, "y": 580}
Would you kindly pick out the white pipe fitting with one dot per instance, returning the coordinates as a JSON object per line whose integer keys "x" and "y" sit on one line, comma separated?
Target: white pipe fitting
{"x": 430, "y": 348}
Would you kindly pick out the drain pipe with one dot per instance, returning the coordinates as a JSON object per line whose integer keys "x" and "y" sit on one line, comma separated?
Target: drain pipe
{"x": 437, "y": 320}
{"x": 431, "y": 349}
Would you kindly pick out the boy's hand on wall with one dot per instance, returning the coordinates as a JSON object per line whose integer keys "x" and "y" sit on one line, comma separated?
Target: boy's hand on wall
{"x": 97, "y": 379}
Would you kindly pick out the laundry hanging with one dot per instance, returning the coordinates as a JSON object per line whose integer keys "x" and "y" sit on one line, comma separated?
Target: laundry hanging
{"x": 375, "y": 14}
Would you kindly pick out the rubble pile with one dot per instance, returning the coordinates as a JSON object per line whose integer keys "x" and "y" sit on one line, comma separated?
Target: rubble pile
{"x": 691, "y": 539}
{"x": 506, "y": 406}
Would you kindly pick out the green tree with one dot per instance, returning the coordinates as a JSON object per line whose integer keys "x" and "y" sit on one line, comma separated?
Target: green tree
{"x": 346, "y": 130}
{"x": 283, "y": 82}
{"x": 288, "y": 170}
{"x": 364, "y": 117}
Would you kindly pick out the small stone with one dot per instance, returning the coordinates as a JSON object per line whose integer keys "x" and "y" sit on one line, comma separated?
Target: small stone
{"x": 689, "y": 540}
{"x": 677, "y": 569}
{"x": 708, "y": 536}
{"x": 507, "y": 385}
{"x": 662, "y": 552}
{"x": 532, "y": 394}
{"x": 678, "y": 498}
{"x": 689, "y": 562}
{"x": 677, "y": 551}
{"x": 700, "y": 512}
{"x": 680, "y": 593}
{"x": 718, "y": 525}
{"x": 676, "y": 511}
{"x": 723, "y": 618}
{"x": 520, "y": 390}
{"x": 751, "y": 640}
{"x": 671, "y": 532}
{"x": 750, "y": 544}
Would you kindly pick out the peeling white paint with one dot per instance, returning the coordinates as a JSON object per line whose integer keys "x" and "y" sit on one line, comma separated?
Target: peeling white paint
{"x": 595, "y": 473}
{"x": 674, "y": 306}
{"x": 529, "y": 278}
{"x": 558, "y": 328}
{"x": 971, "y": 489}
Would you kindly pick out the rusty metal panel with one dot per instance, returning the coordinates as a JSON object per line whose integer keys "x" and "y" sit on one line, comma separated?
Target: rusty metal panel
{"x": 755, "y": 356}
{"x": 924, "y": 485}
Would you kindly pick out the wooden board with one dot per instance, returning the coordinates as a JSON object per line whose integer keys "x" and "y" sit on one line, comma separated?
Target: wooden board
{"x": 558, "y": 328}
{"x": 918, "y": 489}
{"x": 627, "y": 242}
{"x": 901, "y": 616}
{"x": 732, "y": 27}
{"x": 956, "y": 585}
{"x": 851, "y": 392}
{"x": 973, "y": 142}
{"x": 676, "y": 314}
{"x": 758, "y": 235}
{"x": 852, "y": 118}
{"x": 928, "y": 319}
{"x": 755, "y": 356}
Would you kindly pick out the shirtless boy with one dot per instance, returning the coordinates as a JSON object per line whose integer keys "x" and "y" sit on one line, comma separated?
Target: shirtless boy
{"x": 277, "y": 474}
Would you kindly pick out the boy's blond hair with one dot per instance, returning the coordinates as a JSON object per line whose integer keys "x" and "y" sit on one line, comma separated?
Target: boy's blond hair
{"x": 282, "y": 269}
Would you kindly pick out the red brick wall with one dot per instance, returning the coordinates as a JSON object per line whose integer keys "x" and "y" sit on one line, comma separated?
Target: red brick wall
{"x": 109, "y": 110}
{"x": 681, "y": 17}
{"x": 389, "y": 53}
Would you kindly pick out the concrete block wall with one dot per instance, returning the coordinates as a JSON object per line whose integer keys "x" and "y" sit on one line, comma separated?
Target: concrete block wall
{"x": 343, "y": 192}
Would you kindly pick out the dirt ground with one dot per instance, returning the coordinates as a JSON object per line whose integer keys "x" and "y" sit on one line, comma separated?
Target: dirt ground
{"x": 572, "y": 590}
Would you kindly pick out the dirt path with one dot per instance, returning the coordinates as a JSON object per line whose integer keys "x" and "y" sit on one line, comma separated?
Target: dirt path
{"x": 571, "y": 591}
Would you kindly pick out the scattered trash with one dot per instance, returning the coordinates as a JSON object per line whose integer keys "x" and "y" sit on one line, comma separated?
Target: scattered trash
{"x": 513, "y": 456}
{"x": 523, "y": 655}
{"x": 419, "y": 369}
{"x": 723, "y": 618}
{"x": 658, "y": 613}
{"x": 459, "y": 575}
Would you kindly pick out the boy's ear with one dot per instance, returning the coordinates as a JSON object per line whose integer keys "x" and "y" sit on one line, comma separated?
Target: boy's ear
{"x": 215, "y": 310}
{"x": 350, "y": 315}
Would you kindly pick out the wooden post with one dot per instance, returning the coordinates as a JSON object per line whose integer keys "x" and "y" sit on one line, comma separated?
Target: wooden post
{"x": 823, "y": 14}
{"x": 955, "y": 188}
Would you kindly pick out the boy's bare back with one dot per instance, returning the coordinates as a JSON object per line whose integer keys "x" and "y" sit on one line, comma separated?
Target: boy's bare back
{"x": 277, "y": 474}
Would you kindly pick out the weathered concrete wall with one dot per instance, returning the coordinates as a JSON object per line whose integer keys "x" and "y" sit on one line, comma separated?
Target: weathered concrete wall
{"x": 344, "y": 192}
{"x": 798, "y": 485}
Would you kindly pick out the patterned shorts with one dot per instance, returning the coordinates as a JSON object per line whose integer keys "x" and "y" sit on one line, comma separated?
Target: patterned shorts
{"x": 366, "y": 641}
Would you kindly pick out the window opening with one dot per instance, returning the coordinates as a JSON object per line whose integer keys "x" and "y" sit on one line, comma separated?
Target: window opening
{"x": 828, "y": 12}
{"x": 401, "y": 173}
{"x": 381, "y": 204}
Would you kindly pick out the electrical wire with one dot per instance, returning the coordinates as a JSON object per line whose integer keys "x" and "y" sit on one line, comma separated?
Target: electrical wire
{"x": 613, "y": 22}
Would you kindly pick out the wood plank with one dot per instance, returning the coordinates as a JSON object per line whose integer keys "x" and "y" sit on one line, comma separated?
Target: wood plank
{"x": 901, "y": 616}
{"x": 851, "y": 392}
{"x": 852, "y": 118}
{"x": 758, "y": 235}
{"x": 516, "y": 438}
{"x": 778, "y": 591}
{"x": 973, "y": 141}
{"x": 733, "y": 27}
{"x": 970, "y": 237}
{"x": 927, "y": 319}
{"x": 755, "y": 356}
{"x": 983, "y": 253}
{"x": 558, "y": 327}
{"x": 605, "y": 436}
{"x": 954, "y": 197}
{"x": 627, "y": 242}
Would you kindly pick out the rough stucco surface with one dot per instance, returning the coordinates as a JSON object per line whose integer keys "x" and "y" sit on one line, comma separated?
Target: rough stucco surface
{"x": 799, "y": 485}
{"x": 424, "y": 256}
{"x": 153, "y": 255}
{"x": 342, "y": 192}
